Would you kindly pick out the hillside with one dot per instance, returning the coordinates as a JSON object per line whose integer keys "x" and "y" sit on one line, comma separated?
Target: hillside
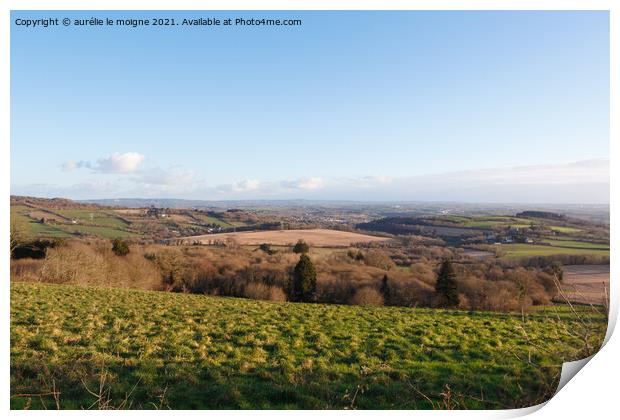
{"x": 137, "y": 349}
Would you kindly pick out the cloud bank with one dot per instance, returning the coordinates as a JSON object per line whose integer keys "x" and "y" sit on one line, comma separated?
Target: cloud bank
{"x": 584, "y": 182}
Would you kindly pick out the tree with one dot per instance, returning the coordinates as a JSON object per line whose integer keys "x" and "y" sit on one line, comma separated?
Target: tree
{"x": 446, "y": 286}
{"x": 385, "y": 288}
{"x": 17, "y": 235}
{"x": 266, "y": 248}
{"x": 303, "y": 284}
{"x": 557, "y": 270}
{"x": 120, "y": 247}
{"x": 301, "y": 247}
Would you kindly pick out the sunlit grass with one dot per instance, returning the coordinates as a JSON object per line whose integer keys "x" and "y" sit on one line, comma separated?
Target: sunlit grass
{"x": 209, "y": 352}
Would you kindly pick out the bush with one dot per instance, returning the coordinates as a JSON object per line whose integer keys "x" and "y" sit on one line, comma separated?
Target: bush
{"x": 266, "y": 248}
{"x": 378, "y": 259}
{"x": 367, "y": 296}
{"x": 301, "y": 247}
{"x": 120, "y": 247}
{"x": 303, "y": 284}
{"x": 446, "y": 286}
{"x": 264, "y": 292}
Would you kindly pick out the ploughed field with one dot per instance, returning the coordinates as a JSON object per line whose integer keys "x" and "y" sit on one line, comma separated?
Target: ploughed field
{"x": 314, "y": 237}
{"x": 587, "y": 284}
{"x": 76, "y": 347}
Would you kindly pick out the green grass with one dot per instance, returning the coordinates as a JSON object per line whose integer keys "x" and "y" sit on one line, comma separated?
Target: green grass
{"x": 490, "y": 222}
{"x": 565, "y": 229}
{"x": 209, "y": 352}
{"x": 107, "y": 226}
{"x": 99, "y": 218}
{"x": 211, "y": 220}
{"x": 35, "y": 229}
{"x": 531, "y": 250}
{"x": 100, "y": 231}
{"x": 576, "y": 244}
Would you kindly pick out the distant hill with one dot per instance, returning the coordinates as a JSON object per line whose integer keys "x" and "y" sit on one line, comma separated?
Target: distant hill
{"x": 52, "y": 203}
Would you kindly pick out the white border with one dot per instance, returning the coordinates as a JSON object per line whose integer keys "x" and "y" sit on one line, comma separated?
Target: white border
{"x": 592, "y": 395}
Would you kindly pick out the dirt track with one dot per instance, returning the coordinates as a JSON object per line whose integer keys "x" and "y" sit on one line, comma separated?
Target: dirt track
{"x": 314, "y": 237}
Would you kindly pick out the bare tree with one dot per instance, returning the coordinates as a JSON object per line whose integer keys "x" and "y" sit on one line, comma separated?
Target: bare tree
{"x": 18, "y": 235}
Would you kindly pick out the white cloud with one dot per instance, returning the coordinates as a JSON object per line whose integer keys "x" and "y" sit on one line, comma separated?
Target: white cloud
{"x": 72, "y": 165}
{"x": 119, "y": 163}
{"x": 173, "y": 176}
{"x": 311, "y": 183}
{"x": 246, "y": 185}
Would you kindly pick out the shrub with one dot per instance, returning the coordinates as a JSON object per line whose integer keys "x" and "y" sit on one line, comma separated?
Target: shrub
{"x": 264, "y": 292}
{"x": 303, "y": 284}
{"x": 367, "y": 296}
{"x": 120, "y": 247}
{"x": 385, "y": 288}
{"x": 446, "y": 286}
{"x": 301, "y": 247}
{"x": 378, "y": 259}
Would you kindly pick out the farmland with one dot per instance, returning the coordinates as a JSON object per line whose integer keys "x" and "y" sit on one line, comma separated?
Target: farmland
{"x": 515, "y": 251}
{"x": 314, "y": 237}
{"x": 139, "y": 349}
{"x": 64, "y": 223}
{"x": 587, "y": 284}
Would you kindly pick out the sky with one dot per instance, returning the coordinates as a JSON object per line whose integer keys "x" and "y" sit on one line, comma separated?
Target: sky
{"x": 457, "y": 106}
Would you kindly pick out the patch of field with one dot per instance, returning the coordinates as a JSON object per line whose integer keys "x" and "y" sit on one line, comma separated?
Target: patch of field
{"x": 586, "y": 284}
{"x": 491, "y": 222}
{"x": 576, "y": 244}
{"x": 211, "y": 220}
{"x": 130, "y": 212}
{"x": 565, "y": 229}
{"x": 182, "y": 218}
{"x": 34, "y": 228}
{"x": 314, "y": 237}
{"x": 42, "y": 214}
{"x": 101, "y": 224}
{"x": 198, "y": 352}
{"x": 101, "y": 231}
{"x": 477, "y": 253}
{"x": 94, "y": 217}
{"x": 531, "y": 250}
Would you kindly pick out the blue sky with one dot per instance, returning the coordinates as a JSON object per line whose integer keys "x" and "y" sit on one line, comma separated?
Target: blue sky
{"x": 350, "y": 105}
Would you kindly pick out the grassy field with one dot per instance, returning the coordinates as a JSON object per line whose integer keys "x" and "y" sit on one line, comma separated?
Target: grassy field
{"x": 577, "y": 244}
{"x": 491, "y": 222}
{"x": 94, "y": 217}
{"x": 102, "y": 224}
{"x": 212, "y": 220}
{"x": 565, "y": 229}
{"x": 102, "y": 348}
{"x": 530, "y": 250}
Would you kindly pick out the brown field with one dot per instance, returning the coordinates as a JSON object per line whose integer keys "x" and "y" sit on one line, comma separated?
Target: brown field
{"x": 39, "y": 214}
{"x": 314, "y": 237}
{"x": 131, "y": 212}
{"x": 587, "y": 283}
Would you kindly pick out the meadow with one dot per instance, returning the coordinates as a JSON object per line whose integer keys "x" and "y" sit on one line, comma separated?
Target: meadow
{"x": 64, "y": 223}
{"x": 90, "y": 347}
{"x": 516, "y": 251}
